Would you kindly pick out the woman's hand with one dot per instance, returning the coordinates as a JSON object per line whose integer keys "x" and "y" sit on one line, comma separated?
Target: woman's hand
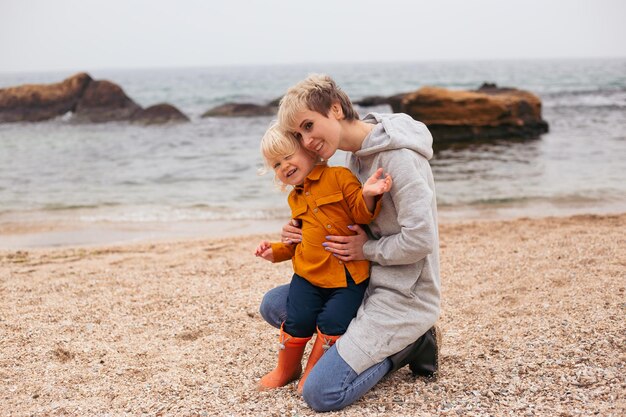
{"x": 292, "y": 232}
{"x": 264, "y": 250}
{"x": 348, "y": 248}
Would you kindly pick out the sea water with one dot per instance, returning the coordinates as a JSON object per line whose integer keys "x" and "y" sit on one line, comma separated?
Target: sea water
{"x": 208, "y": 169}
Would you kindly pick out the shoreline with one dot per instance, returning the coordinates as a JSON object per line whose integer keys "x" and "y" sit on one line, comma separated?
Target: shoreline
{"x": 63, "y": 230}
{"x": 16, "y": 236}
{"x": 531, "y": 320}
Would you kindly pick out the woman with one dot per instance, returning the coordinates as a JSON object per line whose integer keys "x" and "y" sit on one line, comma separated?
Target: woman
{"x": 401, "y": 303}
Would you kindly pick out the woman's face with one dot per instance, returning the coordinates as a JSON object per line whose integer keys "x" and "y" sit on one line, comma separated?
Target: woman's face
{"x": 319, "y": 133}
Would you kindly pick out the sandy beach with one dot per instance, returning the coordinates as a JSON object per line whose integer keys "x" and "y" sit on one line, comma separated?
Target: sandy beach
{"x": 532, "y": 319}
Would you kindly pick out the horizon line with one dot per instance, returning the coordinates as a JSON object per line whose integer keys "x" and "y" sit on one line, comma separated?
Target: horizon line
{"x": 292, "y": 64}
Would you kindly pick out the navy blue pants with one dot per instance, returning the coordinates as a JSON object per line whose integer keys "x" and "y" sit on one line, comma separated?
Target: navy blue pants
{"x": 330, "y": 309}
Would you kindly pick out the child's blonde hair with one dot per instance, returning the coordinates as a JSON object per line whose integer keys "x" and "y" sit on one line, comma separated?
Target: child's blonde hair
{"x": 317, "y": 92}
{"x": 276, "y": 144}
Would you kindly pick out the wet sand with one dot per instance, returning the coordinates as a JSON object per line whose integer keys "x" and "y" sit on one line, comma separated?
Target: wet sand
{"x": 532, "y": 318}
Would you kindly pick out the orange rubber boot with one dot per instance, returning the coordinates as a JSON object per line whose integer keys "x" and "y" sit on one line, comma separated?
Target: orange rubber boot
{"x": 289, "y": 365}
{"x": 322, "y": 344}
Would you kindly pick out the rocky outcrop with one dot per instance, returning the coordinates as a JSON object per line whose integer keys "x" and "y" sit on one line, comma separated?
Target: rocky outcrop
{"x": 241, "y": 110}
{"x": 372, "y": 101}
{"x": 37, "y": 102}
{"x": 104, "y": 101}
{"x": 275, "y": 102}
{"x": 159, "y": 114}
{"x": 489, "y": 112}
{"x": 89, "y": 101}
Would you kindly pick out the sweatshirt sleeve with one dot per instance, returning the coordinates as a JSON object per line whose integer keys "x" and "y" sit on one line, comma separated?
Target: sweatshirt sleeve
{"x": 353, "y": 194}
{"x": 413, "y": 200}
{"x": 282, "y": 251}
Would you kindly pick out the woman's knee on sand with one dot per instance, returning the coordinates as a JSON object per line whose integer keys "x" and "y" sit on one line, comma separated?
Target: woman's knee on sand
{"x": 333, "y": 384}
{"x": 273, "y": 307}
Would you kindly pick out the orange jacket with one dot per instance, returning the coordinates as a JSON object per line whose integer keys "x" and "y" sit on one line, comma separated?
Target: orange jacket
{"x": 329, "y": 200}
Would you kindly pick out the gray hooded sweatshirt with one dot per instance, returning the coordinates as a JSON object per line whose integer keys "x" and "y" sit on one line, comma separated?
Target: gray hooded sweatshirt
{"x": 402, "y": 300}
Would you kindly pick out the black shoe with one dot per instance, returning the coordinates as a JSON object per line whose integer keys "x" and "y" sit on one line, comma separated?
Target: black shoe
{"x": 422, "y": 356}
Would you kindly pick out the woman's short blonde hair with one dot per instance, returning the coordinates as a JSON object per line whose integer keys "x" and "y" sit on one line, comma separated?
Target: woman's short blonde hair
{"x": 318, "y": 92}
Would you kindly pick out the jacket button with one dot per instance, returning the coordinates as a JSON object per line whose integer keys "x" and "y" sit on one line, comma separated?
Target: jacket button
{"x": 307, "y": 193}
{"x": 315, "y": 210}
{"x": 340, "y": 263}
{"x": 328, "y": 226}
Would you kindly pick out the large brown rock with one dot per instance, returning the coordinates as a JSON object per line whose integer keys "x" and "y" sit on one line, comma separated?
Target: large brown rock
{"x": 159, "y": 114}
{"x": 489, "y": 112}
{"x": 370, "y": 101}
{"x": 37, "y": 102}
{"x": 241, "y": 110}
{"x": 89, "y": 101}
{"x": 104, "y": 101}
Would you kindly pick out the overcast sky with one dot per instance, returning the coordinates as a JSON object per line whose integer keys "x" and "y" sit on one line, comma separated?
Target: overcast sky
{"x": 42, "y": 35}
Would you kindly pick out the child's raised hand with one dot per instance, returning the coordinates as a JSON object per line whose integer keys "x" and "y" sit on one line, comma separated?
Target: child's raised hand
{"x": 264, "y": 250}
{"x": 375, "y": 185}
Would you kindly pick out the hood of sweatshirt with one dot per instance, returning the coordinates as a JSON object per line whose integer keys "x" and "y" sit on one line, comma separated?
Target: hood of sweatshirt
{"x": 396, "y": 131}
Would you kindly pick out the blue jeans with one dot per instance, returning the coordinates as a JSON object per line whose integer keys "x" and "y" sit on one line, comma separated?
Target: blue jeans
{"x": 332, "y": 384}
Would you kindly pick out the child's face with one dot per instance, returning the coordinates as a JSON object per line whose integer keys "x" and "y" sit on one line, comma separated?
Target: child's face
{"x": 293, "y": 169}
{"x": 318, "y": 133}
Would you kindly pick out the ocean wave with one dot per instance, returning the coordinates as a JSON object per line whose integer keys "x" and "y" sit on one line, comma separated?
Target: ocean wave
{"x": 62, "y": 207}
{"x": 604, "y": 99}
{"x": 585, "y": 91}
{"x": 141, "y": 214}
{"x": 571, "y": 199}
{"x": 583, "y": 107}
{"x": 166, "y": 216}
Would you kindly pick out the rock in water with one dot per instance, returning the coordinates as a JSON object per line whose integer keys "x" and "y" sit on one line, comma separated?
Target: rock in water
{"x": 489, "y": 112}
{"x": 159, "y": 114}
{"x": 37, "y": 102}
{"x": 104, "y": 101}
{"x": 241, "y": 110}
{"x": 370, "y": 101}
{"x": 89, "y": 101}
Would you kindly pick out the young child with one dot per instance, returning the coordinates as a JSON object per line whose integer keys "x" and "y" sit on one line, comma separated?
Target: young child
{"x": 325, "y": 292}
